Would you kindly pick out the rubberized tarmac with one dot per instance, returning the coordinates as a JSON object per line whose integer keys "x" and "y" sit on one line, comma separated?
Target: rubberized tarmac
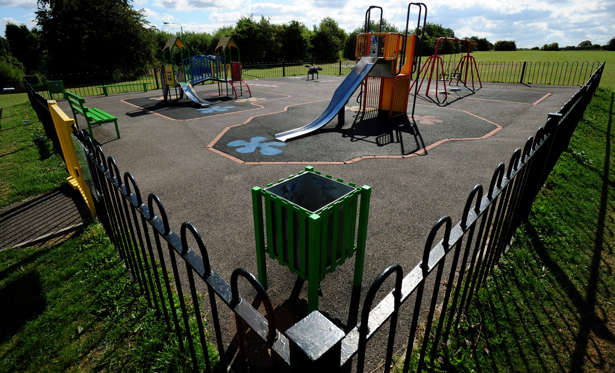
{"x": 203, "y": 168}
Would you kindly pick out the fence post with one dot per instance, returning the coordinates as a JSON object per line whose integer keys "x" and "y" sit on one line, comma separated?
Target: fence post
{"x": 522, "y": 72}
{"x": 315, "y": 344}
{"x": 340, "y": 69}
{"x": 283, "y": 69}
{"x": 156, "y": 77}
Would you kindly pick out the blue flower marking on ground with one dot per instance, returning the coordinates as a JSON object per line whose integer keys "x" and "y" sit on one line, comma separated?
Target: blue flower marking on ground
{"x": 265, "y": 148}
{"x": 215, "y": 109}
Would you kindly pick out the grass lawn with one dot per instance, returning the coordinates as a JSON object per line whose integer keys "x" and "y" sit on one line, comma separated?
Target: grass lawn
{"x": 608, "y": 76}
{"x": 73, "y": 308}
{"x": 550, "y": 305}
{"x": 7, "y": 100}
{"x": 23, "y": 173}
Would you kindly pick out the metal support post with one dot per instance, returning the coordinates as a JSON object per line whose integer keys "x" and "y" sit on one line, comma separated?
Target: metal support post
{"x": 315, "y": 344}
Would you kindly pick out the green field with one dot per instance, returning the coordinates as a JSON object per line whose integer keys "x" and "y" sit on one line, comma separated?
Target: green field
{"x": 24, "y": 172}
{"x": 570, "y": 57}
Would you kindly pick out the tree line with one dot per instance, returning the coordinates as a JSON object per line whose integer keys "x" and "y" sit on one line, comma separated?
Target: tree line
{"x": 118, "y": 43}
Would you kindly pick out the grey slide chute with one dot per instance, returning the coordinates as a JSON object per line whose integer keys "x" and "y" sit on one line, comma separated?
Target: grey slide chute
{"x": 340, "y": 97}
{"x": 191, "y": 94}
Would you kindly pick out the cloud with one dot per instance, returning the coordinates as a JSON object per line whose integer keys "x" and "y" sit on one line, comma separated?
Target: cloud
{"x": 196, "y": 5}
{"x": 330, "y": 3}
{"x": 201, "y": 4}
{"x": 28, "y": 4}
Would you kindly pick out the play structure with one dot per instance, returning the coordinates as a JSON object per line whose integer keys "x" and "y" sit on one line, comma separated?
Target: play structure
{"x": 384, "y": 69}
{"x": 181, "y": 72}
{"x": 433, "y": 70}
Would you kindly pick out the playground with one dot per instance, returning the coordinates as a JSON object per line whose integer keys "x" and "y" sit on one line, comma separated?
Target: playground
{"x": 409, "y": 143}
{"x": 203, "y": 165}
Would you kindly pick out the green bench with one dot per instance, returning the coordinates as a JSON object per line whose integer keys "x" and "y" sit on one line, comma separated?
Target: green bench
{"x": 105, "y": 87}
{"x": 93, "y": 116}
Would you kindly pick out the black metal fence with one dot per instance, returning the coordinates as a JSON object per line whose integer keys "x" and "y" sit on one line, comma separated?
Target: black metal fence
{"x": 469, "y": 249}
{"x": 39, "y": 104}
{"x": 552, "y": 73}
{"x": 556, "y": 73}
{"x": 288, "y": 69}
{"x": 91, "y": 83}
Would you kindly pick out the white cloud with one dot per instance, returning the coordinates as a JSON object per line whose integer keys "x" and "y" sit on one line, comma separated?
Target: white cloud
{"x": 195, "y": 5}
{"x": 18, "y": 4}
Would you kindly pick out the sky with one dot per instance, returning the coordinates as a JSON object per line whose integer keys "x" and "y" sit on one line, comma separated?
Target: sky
{"x": 528, "y": 22}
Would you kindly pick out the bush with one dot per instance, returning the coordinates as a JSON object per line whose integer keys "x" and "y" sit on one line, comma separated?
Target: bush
{"x": 505, "y": 45}
{"x": 11, "y": 72}
{"x": 611, "y": 45}
{"x": 550, "y": 47}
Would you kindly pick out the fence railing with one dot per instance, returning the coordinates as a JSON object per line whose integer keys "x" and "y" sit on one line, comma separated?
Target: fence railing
{"x": 469, "y": 250}
{"x": 91, "y": 83}
{"x": 552, "y": 73}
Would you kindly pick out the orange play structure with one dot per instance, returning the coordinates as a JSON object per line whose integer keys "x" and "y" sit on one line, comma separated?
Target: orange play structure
{"x": 387, "y": 86}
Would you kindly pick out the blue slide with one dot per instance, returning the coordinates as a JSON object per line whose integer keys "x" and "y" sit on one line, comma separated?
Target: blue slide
{"x": 340, "y": 97}
{"x": 191, "y": 94}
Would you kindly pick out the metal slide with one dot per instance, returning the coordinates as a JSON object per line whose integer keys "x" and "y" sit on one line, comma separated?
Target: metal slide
{"x": 191, "y": 94}
{"x": 339, "y": 99}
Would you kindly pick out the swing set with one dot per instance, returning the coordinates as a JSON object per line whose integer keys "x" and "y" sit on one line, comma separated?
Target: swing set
{"x": 433, "y": 70}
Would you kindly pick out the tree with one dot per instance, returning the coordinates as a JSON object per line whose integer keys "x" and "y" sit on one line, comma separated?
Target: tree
{"x": 585, "y": 44}
{"x": 294, "y": 39}
{"x": 610, "y": 46}
{"x": 24, "y": 46}
{"x": 254, "y": 39}
{"x": 505, "y": 45}
{"x": 432, "y": 33}
{"x": 11, "y": 71}
{"x": 327, "y": 40}
{"x": 550, "y": 47}
{"x": 197, "y": 42}
{"x": 4, "y": 47}
{"x": 480, "y": 44}
{"x": 106, "y": 38}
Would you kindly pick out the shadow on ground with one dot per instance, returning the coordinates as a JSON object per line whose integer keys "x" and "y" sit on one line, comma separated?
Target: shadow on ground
{"x": 21, "y": 300}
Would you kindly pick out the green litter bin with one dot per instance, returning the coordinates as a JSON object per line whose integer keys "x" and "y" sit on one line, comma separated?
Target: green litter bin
{"x": 311, "y": 224}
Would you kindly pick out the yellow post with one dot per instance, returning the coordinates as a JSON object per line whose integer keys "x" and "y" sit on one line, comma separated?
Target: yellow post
{"x": 169, "y": 75}
{"x": 64, "y": 127}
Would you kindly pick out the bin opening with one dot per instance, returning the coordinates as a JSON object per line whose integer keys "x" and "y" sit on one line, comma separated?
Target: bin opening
{"x": 310, "y": 191}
